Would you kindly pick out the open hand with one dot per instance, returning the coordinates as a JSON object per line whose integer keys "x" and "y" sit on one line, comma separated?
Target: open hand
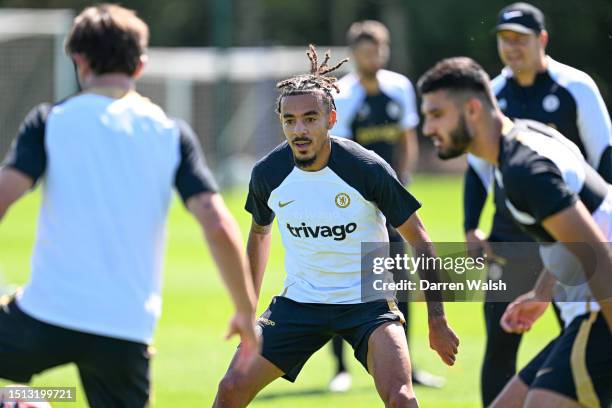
{"x": 443, "y": 340}
{"x": 521, "y": 314}
{"x": 243, "y": 324}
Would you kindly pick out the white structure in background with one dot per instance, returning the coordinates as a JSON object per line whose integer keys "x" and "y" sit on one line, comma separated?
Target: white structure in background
{"x": 227, "y": 95}
{"x": 26, "y": 23}
{"x": 33, "y": 66}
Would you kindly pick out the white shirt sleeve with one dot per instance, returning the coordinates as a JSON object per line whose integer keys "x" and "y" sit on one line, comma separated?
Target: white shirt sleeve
{"x": 593, "y": 120}
{"x": 342, "y": 128}
{"x": 347, "y": 102}
{"x": 410, "y": 117}
{"x": 483, "y": 169}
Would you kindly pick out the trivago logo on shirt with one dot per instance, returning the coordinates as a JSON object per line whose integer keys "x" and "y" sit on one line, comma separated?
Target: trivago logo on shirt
{"x": 338, "y": 232}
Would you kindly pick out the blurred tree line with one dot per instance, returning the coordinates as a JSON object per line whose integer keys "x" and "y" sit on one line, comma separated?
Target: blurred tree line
{"x": 422, "y": 31}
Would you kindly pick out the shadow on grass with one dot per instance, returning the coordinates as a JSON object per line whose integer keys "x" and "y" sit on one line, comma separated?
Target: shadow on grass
{"x": 311, "y": 392}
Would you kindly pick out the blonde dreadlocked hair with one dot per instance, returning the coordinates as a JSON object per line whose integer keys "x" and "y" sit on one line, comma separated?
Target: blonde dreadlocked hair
{"x": 312, "y": 83}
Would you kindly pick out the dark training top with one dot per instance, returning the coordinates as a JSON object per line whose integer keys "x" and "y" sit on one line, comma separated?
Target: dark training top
{"x": 376, "y": 121}
{"x": 541, "y": 173}
{"x": 561, "y": 97}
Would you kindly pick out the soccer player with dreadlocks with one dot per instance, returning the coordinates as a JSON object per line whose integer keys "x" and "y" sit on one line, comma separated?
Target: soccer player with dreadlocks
{"x": 329, "y": 195}
{"x": 377, "y": 109}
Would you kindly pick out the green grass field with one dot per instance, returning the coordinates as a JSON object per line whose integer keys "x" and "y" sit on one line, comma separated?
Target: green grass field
{"x": 191, "y": 355}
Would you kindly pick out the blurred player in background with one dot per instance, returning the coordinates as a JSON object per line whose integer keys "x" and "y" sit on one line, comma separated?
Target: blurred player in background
{"x": 559, "y": 200}
{"x": 377, "y": 109}
{"x": 329, "y": 195}
{"x": 108, "y": 159}
{"x": 531, "y": 86}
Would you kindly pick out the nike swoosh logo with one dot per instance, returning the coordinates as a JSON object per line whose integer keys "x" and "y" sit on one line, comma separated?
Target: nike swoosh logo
{"x": 544, "y": 371}
{"x": 281, "y": 205}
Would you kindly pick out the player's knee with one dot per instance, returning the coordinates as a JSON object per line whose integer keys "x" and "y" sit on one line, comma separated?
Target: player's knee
{"x": 401, "y": 398}
{"x": 229, "y": 392}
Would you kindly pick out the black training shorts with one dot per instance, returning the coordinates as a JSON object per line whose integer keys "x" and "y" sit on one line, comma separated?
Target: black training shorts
{"x": 114, "y": 372}
{"x": 293, "y": 331}
{"x": 577, "y": 364}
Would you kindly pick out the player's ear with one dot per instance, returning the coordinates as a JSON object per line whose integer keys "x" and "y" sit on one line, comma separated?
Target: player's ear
{"x": 543, "y": 38}
{"x": 82, "y": 69}
{"x": 81, "y": 63}
{"x": 141, "y": 64}
{"x": 331, "y": 120}
{"x": 473, "y": 107}
{"x": 385, "y": 53}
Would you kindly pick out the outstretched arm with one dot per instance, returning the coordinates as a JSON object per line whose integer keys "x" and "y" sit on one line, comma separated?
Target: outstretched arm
{"x": 258, "y": 252}
{"x": 414, "y": 232}
{"x": 223, "y": 237}
{"x": 576, "y": 225}
{"x": 26, "y": 160}
{"x": 13, "y": 185}
{"x": 441, "y": 337}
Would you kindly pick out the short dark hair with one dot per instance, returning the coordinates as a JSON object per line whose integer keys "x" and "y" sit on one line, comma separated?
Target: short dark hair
{"x": 458, "y": 74}
{"x": 314, "y": 83}
{"x": 370, "y": 30}
{"x": 110, "y": 37}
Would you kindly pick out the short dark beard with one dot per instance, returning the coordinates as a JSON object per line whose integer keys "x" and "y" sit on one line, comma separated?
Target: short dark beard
{"x": 460, "y": 139}
{"x": 303, "y": 163}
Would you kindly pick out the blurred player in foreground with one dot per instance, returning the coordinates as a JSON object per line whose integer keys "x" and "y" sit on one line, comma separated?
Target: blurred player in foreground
{"x": 554, "y": 195}
{"x": 109, "y": 159}
{"x": 330, "y": 195}
{"x": 534, "y": 86}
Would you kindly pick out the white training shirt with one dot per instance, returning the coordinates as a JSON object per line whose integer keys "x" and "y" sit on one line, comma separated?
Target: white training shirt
{"x": 109, "y": 166}
{"x": 324, "y": 216}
